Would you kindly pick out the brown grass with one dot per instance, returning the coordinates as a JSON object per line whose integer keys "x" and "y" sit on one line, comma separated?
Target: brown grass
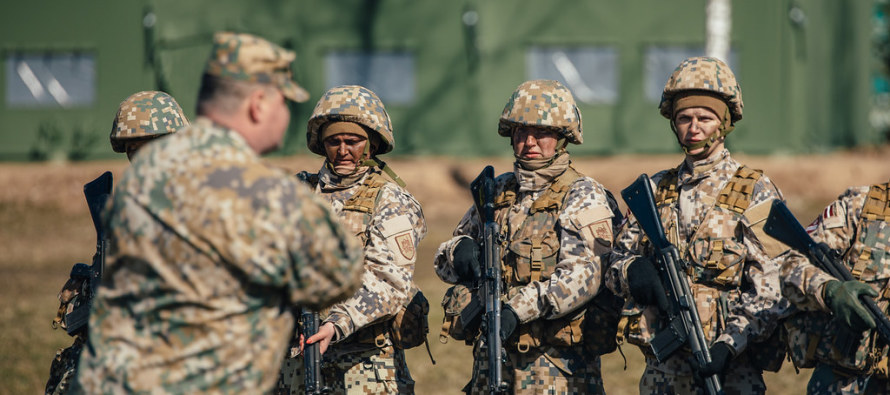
{"x": 45, "y": 228}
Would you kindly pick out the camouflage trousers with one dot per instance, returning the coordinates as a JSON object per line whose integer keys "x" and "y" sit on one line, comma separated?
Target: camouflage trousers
{"x": 373, "y": 371}
{"x": 826, "y": 380}
{"x": 740, "y": 378}
{"x": 549, "y": 370}
{"x": 63, "y": 370}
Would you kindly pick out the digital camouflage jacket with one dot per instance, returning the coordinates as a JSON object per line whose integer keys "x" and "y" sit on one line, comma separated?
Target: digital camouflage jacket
{"x": 733, "y": 278}
{"x": 210, "y": 251}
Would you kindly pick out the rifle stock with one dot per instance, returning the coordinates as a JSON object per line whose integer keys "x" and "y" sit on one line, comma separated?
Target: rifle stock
{"x": 684, "y": 325}
{"x": 483, "y": 196}
{"x": 783, "y": 226}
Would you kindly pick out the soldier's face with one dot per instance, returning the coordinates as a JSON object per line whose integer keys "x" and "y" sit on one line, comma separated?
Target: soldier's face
{"x": 272, "y": 116}
{"x": 534, "y": 143}
{"x": 345, "y": 151}
{"x": 698, "y": 124}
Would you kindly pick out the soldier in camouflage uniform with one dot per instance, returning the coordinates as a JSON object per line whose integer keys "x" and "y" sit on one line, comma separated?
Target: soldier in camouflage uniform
{"x": 835, "y": 334}
{"x": 713, "y": 210}
{"x": 142, "y": 117}
{"x": 210, "y": 249}
{"x": 350, "y": 127}
{"x": 556, "y": 225}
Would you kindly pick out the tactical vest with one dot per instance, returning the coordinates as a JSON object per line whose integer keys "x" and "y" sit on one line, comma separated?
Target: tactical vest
{"x": 816, "y": 337}
{"x": 531, "y": 254}
{"x": 409, "y": 327}
{"x": 715, "y": 265}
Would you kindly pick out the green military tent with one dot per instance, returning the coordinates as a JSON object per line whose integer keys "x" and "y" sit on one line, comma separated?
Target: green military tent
{"x": 445, "y": 69}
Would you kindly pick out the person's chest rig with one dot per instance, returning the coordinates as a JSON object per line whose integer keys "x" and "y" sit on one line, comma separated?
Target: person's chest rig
{"x": 530, "y": 253}
{"x": 713, "y": 249}
{"x": 357, "y": 209}
{"x": 531, "y": 249}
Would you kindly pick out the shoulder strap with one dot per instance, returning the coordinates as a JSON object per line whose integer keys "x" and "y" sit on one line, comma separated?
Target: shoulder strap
{"x": 877, "y": 203}
{"x": 666, "y": 191}
{"x": 554, "y": 197}
{"x": 736, "y": 195}
{"x": 365, "y": 199}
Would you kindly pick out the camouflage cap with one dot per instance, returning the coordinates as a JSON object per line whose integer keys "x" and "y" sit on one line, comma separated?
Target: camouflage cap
{"x": 545, "y": 103}
{"x": 703, "y": 74}
{"x": 250, "y": 58}
{"x": 350, "y": 103}
{"x": 143, "y": 115}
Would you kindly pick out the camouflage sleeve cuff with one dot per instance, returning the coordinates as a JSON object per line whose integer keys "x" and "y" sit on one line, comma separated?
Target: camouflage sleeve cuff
{"x": 525, "y": 309}
{"x": 736, "y": 341}
{"x": 817, "y": 286}
{"x": 342, "y": 324}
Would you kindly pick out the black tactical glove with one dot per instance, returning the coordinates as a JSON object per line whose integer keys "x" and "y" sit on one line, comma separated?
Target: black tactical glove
{"x": 466, "y": 260}
{"x": 644, "y": 284}
{"x": 721, "y": 354}
{"x": 843, "y": 300}
{"x": 509, "y": 321}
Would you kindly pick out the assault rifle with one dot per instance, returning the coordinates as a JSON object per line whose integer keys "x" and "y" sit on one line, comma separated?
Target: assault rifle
{"x": 96, "y": 193}
{"x": 483, "y": 196}
{"x": 782, "y": 225}
{"x": 311, "y": 355}
{"x": 684, "y": 325}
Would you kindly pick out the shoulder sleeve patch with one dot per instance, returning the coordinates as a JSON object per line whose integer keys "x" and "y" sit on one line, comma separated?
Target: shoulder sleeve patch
{"x": 834, "y": 216}
{"x": 399, "y": 237}
{"x": 595, "y": 226}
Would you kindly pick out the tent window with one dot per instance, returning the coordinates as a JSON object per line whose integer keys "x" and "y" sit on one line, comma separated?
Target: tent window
{"x": 56, "y": 79}
{"x": 591, "y": 73}
{"x": 390, "y": 75}
{"x": 661, "y": 62}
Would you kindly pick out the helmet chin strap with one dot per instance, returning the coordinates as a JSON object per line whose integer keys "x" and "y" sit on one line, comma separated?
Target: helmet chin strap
{"x": 535, "y": 164}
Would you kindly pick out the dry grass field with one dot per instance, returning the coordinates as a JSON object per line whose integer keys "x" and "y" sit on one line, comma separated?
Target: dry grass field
{"x": 45, "y": 228}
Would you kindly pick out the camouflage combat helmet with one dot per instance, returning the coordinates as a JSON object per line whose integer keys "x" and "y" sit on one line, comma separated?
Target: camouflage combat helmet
{"x": 545, "y": 103}
{"x": 350, "y": 103}
{"x": 703, "y": 74}
{"x": 145, "y": 115}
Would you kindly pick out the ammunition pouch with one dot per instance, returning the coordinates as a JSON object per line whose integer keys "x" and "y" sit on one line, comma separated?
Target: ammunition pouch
{"x": 456, "y": 302}
{"x": 410, "y": 326}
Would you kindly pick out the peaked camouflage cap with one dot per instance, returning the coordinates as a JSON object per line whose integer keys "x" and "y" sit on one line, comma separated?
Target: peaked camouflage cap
{"x": 145, "y": 114}
{"x": 250, "y": 58}
{"x": 350, "y": 103}
{"x": 703, "y": 74}
{"x": 546, "y": 103}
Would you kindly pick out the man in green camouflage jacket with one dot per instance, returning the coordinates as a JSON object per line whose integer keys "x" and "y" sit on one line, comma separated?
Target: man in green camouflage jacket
{"x": 556, "y": 225}
{"x": 350, "y": 128}
{"x": 713, "y": 210}
{"x": 836, "y": 334}
{"x": 142, "y": 117}
{"x": 210, "y": 249}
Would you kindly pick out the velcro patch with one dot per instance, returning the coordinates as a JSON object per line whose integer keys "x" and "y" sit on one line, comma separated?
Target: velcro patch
{"x": 591, "y": 215}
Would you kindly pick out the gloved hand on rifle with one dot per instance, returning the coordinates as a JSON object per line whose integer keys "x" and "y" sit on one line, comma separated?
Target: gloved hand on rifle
{"x": 645, "y": 285}
{"x": 509, "y": 321}
{"x": 467, "y": 263}
{"x": 721, "y": 354}
{"x": 843, "y": 300}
